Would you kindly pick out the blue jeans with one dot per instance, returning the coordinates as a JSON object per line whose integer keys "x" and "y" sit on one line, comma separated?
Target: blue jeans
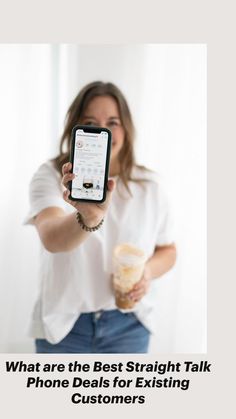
{"x": 101, "y": 332}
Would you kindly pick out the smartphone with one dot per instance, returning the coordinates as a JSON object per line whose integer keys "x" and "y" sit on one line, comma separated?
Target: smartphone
{"x": 90, "y": 157}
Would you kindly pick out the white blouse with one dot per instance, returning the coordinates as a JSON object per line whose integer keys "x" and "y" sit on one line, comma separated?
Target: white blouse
{"x": 79, "y": 281}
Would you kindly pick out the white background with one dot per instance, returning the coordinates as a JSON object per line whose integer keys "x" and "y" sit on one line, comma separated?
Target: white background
{"x": 166, "y": 88}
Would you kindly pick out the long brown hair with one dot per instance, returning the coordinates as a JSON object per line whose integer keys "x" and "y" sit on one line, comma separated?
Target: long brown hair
{"x": 75, "y": 113}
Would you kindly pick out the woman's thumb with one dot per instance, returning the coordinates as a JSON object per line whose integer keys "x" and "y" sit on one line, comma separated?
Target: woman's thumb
{"x": 111, "y": 184}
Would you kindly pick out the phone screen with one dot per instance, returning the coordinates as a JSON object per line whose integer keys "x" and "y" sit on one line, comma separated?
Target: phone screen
{"x": 90, "y": 164}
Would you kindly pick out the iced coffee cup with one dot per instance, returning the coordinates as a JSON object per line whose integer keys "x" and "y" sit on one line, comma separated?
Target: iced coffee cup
{"x": 128, "y": 266}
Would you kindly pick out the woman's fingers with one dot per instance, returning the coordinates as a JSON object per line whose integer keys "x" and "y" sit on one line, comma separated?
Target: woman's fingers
{"x": 67, "y": 175}
{"x": 66, "y": 168}
{"x": 66, "y": 194}
{"x": 111, "y": 185}
{"x": 67, "y": 178}
{"x": 138, "y": 294}
{"x": 140, "y": 289}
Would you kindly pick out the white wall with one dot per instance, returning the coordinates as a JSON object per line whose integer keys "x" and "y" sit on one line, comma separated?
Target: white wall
{"x": 166, "y": 89}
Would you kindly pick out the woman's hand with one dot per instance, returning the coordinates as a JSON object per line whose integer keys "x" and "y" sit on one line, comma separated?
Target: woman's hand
{"x": 92, "y": 213}
{"x": 141, "y": 287}
{"x": 162, "y": 260}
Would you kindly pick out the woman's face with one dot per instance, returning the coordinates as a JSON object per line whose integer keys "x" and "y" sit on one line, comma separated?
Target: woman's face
{"x": 103, "y": 111}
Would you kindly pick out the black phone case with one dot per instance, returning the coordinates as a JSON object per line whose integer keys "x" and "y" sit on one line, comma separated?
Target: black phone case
{"x": 92, "y": 129}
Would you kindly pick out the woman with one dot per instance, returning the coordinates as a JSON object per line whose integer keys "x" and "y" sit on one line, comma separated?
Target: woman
{"x": 76, "y": 310}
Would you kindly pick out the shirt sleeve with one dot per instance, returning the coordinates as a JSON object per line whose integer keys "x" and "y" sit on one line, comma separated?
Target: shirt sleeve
{"x": 45, "y": 191}
{"x": 165, "y": 225}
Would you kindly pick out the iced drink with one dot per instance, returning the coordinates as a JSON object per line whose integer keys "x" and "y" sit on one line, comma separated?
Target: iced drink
{"x": 128, "y": 266}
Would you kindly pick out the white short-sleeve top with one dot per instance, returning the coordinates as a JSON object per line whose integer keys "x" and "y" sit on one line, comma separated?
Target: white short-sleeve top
{"x": 79, "y": 281}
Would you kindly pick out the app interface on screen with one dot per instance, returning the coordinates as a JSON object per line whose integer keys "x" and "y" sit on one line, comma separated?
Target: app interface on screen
{"x": 89, "y": 164}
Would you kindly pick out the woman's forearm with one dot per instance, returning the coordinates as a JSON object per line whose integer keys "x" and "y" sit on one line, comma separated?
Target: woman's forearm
{"x": 62, "y": 233}
{"x": 158, "y": 264}
{"x": 161, "y": 261}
